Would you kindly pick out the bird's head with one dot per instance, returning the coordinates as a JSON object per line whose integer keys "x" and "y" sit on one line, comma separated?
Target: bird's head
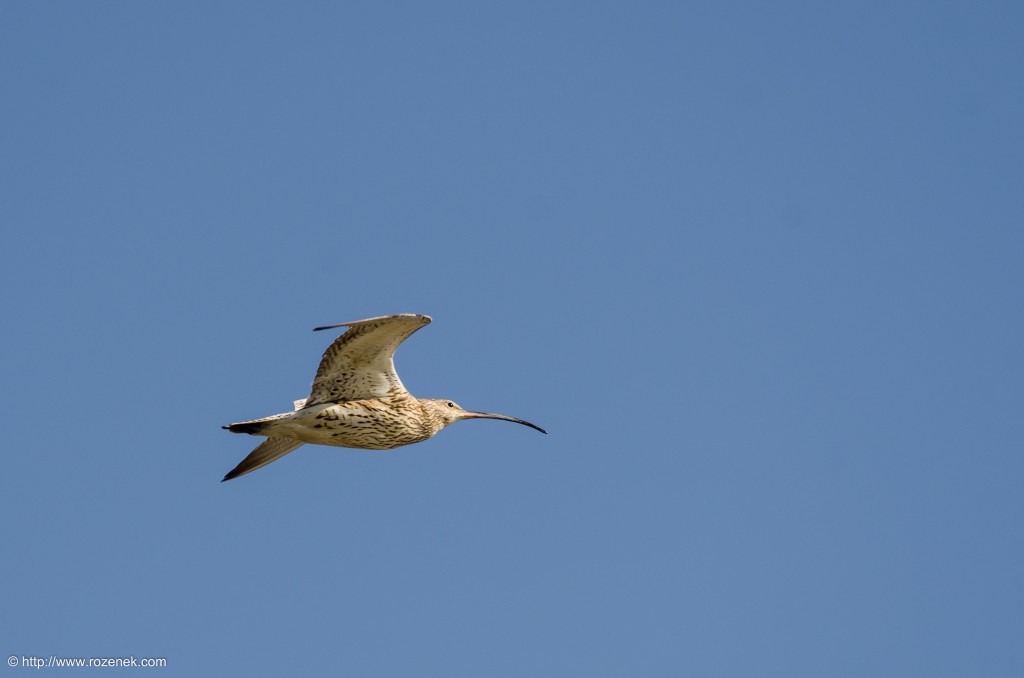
{"x": 445, "y": 412}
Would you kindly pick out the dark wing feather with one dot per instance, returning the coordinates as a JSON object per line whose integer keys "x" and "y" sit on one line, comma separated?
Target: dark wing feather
{"x": 268, "y": 451}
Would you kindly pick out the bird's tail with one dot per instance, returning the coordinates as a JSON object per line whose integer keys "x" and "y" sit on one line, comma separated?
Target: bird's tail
{"x": 255, "y": 426}
{"x": 252, "y": 427}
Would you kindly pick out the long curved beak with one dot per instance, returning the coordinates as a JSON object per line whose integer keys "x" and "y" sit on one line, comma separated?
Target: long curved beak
{"x": 487, "y": 415}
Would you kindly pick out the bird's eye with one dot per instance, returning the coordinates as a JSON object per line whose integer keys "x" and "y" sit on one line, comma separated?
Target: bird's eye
{"x": 451, "y": 404}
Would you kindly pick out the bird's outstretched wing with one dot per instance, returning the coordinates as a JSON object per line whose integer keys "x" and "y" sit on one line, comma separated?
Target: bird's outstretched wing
{"x": 360, "y": 365}
{"x": 270, "y": 449}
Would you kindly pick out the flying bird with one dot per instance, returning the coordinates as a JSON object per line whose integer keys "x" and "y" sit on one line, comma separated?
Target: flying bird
{"x": 357, "y": 399}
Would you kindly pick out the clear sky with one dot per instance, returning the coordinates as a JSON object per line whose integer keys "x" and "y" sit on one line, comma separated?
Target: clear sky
{"x": 758, "y": 268}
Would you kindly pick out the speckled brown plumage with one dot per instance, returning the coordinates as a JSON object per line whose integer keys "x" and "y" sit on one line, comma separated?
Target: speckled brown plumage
{"x": 357, "y": 399}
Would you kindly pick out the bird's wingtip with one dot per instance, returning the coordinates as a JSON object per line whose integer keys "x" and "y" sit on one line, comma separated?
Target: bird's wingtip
{"x": 425, "y": 319}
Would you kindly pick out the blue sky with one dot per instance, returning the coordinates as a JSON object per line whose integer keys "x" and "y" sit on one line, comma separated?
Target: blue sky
{"x": 757, "y": 268}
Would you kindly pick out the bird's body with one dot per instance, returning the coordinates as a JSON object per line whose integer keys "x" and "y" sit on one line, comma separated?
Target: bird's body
{"x": 357, "y": 399}
{"x": 375, "y": 424}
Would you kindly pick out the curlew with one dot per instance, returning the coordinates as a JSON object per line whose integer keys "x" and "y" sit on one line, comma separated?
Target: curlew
{"x": 357, "y": 399}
